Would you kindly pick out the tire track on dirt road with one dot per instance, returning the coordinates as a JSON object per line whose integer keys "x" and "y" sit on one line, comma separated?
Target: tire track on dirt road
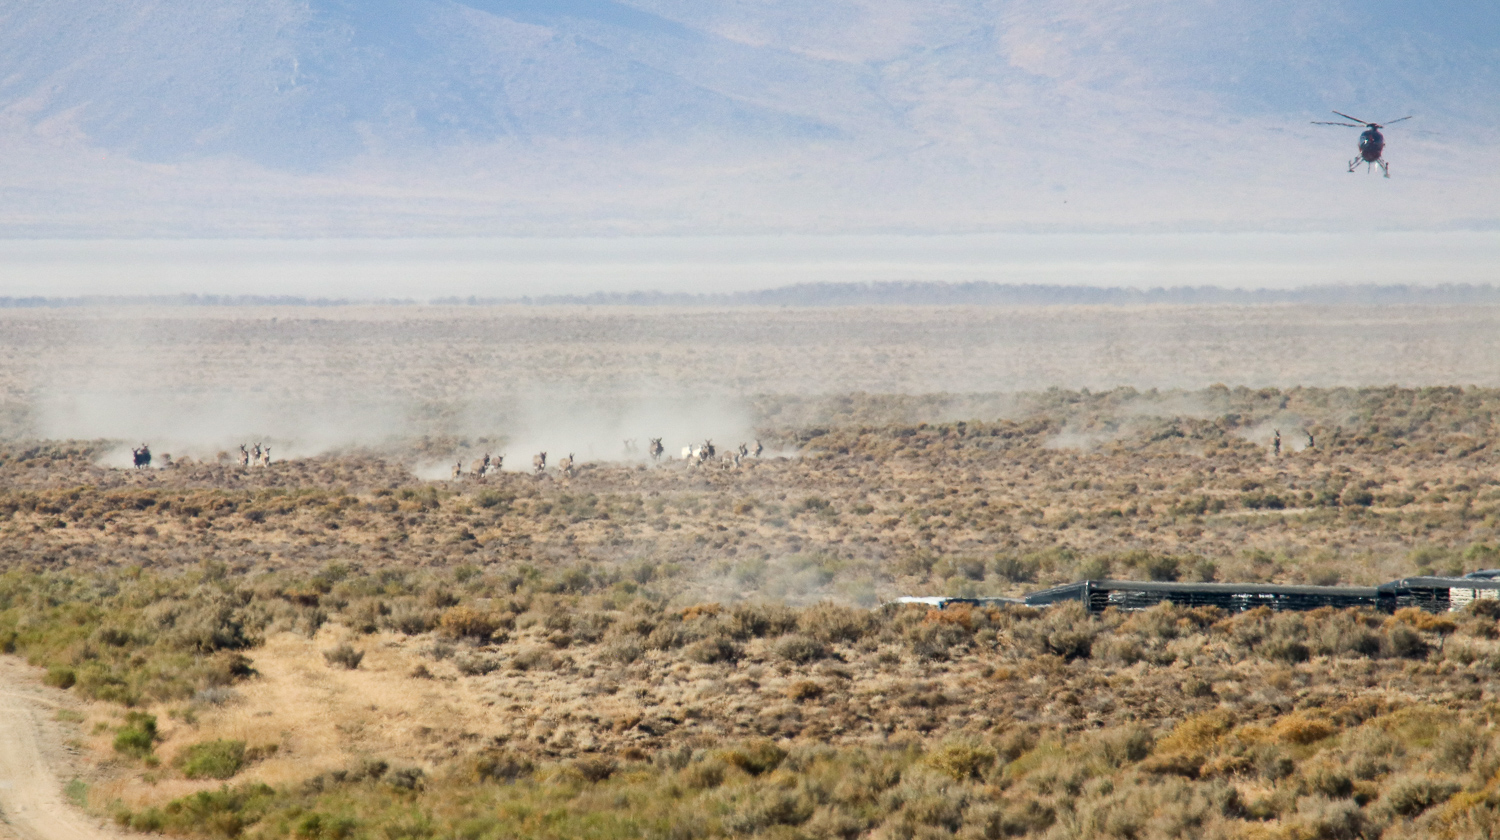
{"x": 32, "y": 804}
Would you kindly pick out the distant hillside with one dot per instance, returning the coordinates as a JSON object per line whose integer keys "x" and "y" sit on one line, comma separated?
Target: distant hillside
{"x": 868, "y": 294}
{"x": 298, "y": 118}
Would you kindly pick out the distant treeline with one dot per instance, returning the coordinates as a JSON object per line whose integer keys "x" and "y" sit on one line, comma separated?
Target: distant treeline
{"x": 910, "y": 293}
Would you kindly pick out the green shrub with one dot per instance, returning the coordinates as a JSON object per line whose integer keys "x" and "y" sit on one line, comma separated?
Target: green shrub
{"x": 138, "y": 736}
{"x": 60, "y": 676}
{"x": 212, "y": 759}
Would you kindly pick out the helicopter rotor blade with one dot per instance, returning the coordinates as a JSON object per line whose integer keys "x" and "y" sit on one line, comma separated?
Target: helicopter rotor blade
{"x": 1351, "y": 125}
{"x": 1356, "y": 119}
{"x": 1393, "y": 122}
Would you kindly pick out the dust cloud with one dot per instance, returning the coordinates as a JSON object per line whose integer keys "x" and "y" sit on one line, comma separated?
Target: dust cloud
{"x": 518, "y": 380}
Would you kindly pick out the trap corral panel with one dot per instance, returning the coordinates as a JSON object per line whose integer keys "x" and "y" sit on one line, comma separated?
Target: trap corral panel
{"x": 1099, "y": 595}
{"x": 1437, "y": 594}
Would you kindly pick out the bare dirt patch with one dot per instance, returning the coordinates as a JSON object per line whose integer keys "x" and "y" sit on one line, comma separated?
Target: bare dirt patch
{"x": 37, "y": 761}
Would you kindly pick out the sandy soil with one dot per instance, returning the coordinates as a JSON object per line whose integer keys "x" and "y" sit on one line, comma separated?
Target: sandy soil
{"x": 35, "y": 759}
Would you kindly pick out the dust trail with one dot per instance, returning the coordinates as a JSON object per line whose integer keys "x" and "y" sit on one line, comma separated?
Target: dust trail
{"x": 204, "y": 424}
{"x": 600, "y": 428}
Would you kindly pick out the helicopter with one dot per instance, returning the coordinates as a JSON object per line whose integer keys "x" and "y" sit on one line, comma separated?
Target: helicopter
{"x": 1371, "y": 143}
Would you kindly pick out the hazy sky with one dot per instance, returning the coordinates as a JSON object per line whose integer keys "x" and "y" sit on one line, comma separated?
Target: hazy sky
{"x": 750, "y": 122}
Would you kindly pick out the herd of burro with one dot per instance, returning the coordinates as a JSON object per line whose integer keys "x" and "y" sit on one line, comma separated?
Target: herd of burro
{"x": 258, "y": 456}
{"x": 255, "y": 456}
{"x": 694, "y": 455}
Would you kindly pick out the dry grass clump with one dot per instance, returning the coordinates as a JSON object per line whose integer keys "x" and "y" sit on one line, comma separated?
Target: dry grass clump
{"x": 344, "y": 656}
{"x": 461, "y": 622}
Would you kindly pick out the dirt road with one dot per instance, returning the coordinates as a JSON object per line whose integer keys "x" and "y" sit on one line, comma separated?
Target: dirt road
{"x": 32, "y": 760}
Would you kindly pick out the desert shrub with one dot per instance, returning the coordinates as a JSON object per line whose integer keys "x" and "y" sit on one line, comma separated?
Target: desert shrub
{"x": 669, "y": 635}
{"x": 704, "y": 775}
{"x": 831, "y": 623}
{"x": 364, "y": 615}
{"x": 212, "y": 759}
{"x": 1197, "y": 733}
{"x": 1301, "y": 728}
{"x": 773, "y": 808}
{"x": 499, "y": 766}
{"x": 493, "y": 499}
{"x": 1262, "y": 500}
{"x": 406, "y": 778}
{"x": 410, "y": 619}
{"x": 1404, "y": 642}
{"x": 534, "y": 659}
{"x": 621, "y": 651}
{"x": 1064, "y": 630}
{"x": 225, "y": 812}
{"x": 1345, "y": 633}
{"x": 137, "y": 737}
{"x": 961, "y": 760}
{"x": 1332, "y": 782}
{"x": 1328, "y": 818}
{"x": 927, "y": 800}
{"x": 1285, "y": 650}
{"x": 590, "y": 626}
{"x": 1121, "y": 649}
{"x": 800, "y": 649}
{"x": 1163, "y": 621}
{"x": 1014, "y": 819}
{"x": 714, "y": 649}
{"x": 60, "y": 676}
{"x": 344, "y": 656}
{"x": 1013, "y": 743}
{"x": 803, "y": 690}
{"x": 760, "y": 620}
{"x": 467, "y": 623}
{"x": 1455, "y": 749}
{"x": 476, "y": 666}
{"x": 595, "y": 769}
{"x": 1125, "y": 745}
{"x": 1277, "y": 636}
{"x": 754, "y": 757}
{"x": 936, "y": 635}
{"x": 1411, "y": 794}
{"x": 1015, "y": 569}
{"x": 1160, "y": 566}
{"x": 216, "y": 624}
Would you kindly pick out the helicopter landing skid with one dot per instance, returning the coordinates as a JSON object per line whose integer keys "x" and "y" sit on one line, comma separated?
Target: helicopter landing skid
{"x": 1385, "y": 168}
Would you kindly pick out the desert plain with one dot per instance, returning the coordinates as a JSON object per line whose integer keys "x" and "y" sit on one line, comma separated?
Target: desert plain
{"x": 354, "y": 642}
